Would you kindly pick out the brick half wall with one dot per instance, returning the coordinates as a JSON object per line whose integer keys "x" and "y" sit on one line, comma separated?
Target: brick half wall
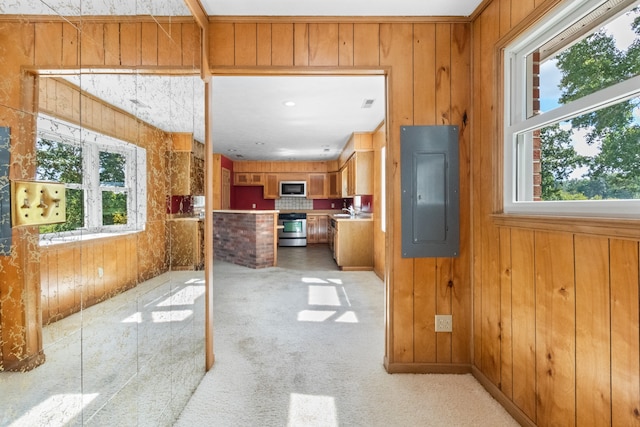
{"x": 246, "y": 239}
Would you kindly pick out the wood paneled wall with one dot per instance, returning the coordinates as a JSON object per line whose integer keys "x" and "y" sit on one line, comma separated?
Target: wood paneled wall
{"x": 79, "y": 275}
{"x": 146, "y": 45}
{"x": 69, "y": 273}
{"x": 379, "y": 236}
{"x": 556, "y": 332}
{"x": 428, "y": 75}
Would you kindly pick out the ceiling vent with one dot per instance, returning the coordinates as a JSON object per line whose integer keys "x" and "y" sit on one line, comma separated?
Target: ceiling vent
{"x": 368, "y": 103}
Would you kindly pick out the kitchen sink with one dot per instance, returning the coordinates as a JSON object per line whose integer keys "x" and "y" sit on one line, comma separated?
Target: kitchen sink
{"x": 342, "y": 215}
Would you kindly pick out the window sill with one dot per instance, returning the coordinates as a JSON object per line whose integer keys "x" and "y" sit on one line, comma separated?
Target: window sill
{"x": 622, "y": 228}
{"x": 79, "y": 238}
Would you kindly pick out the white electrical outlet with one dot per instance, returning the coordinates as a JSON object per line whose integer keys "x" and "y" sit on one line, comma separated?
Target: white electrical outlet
{"x": 253, "y": 205}
{"x": 444, "y": 323}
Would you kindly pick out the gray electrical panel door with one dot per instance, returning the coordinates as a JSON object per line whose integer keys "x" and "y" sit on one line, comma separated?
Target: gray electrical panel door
{"x": 5, "y": 202}
{"x": 430, "y": 191}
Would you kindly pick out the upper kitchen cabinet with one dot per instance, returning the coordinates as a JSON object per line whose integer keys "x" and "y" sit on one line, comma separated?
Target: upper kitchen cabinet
{"x": 335, "y": 185}
{"x": 271, "y": 190}
{"x": 186, "y": 165}
{"x": 248, "y": 178}
{"x": 356, "y": 173}
{"x": 317, "y": 186}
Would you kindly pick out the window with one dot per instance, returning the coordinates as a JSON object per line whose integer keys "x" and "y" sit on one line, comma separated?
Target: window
{"x": 572, "y": 112}
{"x": 105, "y": 179}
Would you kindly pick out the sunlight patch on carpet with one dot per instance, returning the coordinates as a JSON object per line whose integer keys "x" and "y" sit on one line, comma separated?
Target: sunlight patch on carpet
{"x": 315, "y": 315}
{"x": 347, "y": 317}
{"x": 324, "y": 295}
{"x": 310, "y": 410}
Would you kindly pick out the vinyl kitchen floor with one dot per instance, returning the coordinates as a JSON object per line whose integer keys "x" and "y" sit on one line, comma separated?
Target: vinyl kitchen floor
{"x": 311, "y": 257}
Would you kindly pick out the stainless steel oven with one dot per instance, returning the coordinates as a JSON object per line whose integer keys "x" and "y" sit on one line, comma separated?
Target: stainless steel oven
{"x": 292, "y": 230}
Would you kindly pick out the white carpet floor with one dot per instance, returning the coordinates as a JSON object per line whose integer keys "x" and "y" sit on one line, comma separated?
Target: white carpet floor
{"x": 298, "y": 347}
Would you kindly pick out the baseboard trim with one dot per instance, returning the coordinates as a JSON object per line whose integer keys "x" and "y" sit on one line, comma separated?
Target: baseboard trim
{"x": 23, "y": 365}
{"x": 426, "y": 368}
{"x": 503, "y": 400}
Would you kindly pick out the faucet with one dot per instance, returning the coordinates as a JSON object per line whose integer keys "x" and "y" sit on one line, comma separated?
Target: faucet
{"x": 351, "y": 210}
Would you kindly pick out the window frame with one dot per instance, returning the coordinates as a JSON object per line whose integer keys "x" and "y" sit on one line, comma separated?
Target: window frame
{"x": 516, "y": 83}
{"x": 92, "y": 143}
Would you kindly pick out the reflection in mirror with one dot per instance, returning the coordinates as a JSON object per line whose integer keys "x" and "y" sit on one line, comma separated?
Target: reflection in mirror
{"x": 123, "y": 332}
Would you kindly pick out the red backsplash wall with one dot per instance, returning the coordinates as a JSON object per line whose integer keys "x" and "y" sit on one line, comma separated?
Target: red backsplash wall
{"x": 245, "y": 197}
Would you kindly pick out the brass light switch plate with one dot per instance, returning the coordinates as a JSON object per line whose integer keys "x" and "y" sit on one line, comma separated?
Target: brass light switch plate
{"x": 37, "y": 203}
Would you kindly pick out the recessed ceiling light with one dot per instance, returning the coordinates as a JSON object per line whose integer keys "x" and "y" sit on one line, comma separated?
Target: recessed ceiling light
{"x": 231, "y": 150}
{"x": 368, "y": 103}
{"x": 259, "y": 143}
{"x": 289, "y": 104}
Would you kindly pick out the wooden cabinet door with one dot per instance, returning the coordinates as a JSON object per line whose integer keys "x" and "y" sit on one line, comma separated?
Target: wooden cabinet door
{"x": 317, "y": 186}
{"x": 312, "y": 229}
{"x": 323, "y": 229}
{"x": 179, "y": 173}
{"x": 271, "y": 190}
{"x": 197, "y": 176}
{"x": 335, "y": 185}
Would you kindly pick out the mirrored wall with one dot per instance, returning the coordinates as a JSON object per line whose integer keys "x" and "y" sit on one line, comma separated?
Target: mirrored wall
{"x": 117, "y": 288}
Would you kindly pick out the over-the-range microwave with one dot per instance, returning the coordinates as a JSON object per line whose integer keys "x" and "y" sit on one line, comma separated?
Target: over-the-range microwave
{"x": 293, "y": 189}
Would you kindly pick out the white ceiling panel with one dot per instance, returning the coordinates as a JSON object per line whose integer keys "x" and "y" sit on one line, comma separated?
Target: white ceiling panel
{"x": 340, "y": 7}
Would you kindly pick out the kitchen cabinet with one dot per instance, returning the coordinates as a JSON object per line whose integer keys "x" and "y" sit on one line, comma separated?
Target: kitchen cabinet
{"x": 335, "y": 185}
{"x": 359, "y": 178}
{"x": 353, "y": 244}
{"x": 248, "y": 178}
{"x": 271, "y": 190}
{"x": 186, "y": 243}
{"x": 185, "y": 160}
{"x": 317, "y": 186}
{"x": 186, "y": 174}
{"x": 317, "y": 228}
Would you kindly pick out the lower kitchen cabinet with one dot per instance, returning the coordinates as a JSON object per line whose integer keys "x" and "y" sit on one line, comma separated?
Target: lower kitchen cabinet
{"x": 186, "y": 243}
{"x": 353, "y": 244}
{"x": 317, "y": 228}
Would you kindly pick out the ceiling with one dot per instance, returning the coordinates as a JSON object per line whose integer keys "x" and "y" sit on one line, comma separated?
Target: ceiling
{"x": 243, "y": 7}
{"x": 250, "y": 121}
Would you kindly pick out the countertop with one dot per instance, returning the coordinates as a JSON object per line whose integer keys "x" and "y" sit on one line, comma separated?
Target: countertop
{"x": 245, "y": 211}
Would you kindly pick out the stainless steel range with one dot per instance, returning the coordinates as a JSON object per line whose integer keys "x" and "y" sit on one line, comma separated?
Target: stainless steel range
{"x": 293, "y": 229}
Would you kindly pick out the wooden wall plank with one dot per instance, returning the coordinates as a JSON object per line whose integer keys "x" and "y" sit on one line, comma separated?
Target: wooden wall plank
{"x": 506, "y": 333}
{"x": 112, "y": 44}
{"x": 169, "y": 44}
{"x": 282, "y": 48}
{"x": 443, "y": 74}
{"x": 246, "y": 44}
{"x": 521, "y": 10}
{"x": 396, "y": 50}
{"x": 555, "y": 329}
{"x": 191, "y": 45}
{"x": 300, "y": 44}
{"x": 92, "y": 44}
{"x": 593, "y": 331}
{"x": 149, "y": 39}
{"x": 424, "y": 74}
{"x": 505, "y": 16}
{"x": 221, "y": 44}
{"x": 345, "y": 49}
{"x": 425, "y": 283}
{"x": 429, "y": 345}
{"x": 460, "y": 109}
{"x": 625, "y": 333}
{"x": 323, "y": 44}
{"x": 70, "y": 45}
{"x": 264, "y": 44}
{"x": 523, "y": 314}
{"x": 477, "y": 214}
{"x": 45, "y": 282}
{"x": 47, "y": 53}
{"x": 366, "y": 44}
{"x": 443, "y": 306}
{"x": 130, "y": 44}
